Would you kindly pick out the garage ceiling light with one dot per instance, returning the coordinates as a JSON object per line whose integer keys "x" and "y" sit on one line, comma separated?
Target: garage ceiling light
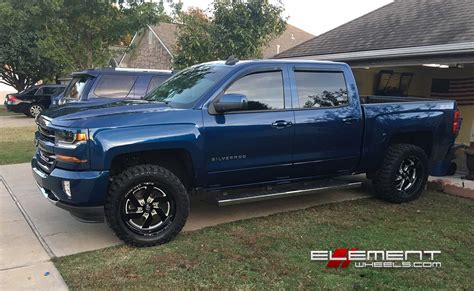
{"x": 436, "y": 66}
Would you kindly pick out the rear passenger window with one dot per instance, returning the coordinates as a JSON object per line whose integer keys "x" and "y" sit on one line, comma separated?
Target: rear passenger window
{"x": 155, "y": 82}
{"x": 39, "y": 91}
{"x": 58, "y": 90}
{"x": 115, "y": 86}
{"x": 264, "y": 91}
{"x": 321, "y": 89}
{"x": 49, "y": 90}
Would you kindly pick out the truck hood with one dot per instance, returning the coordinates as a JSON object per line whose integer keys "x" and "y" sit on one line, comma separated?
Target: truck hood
{"x": 70, "y": 113}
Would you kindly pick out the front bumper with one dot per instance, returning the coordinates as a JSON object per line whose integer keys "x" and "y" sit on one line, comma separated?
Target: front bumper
{"x": 88, "y": 191}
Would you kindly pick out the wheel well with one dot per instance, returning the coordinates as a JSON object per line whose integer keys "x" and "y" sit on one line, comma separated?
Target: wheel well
{"x": 422, "y": 139}
{"x": 178, "y": 161}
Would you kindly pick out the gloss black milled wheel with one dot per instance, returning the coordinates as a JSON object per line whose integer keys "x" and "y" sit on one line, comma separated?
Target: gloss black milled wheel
{"x": 408, "y": 174}
{"x": 147, "y": 205}
{"x": 403, "y": 174}
{"x": 147, "y": 208}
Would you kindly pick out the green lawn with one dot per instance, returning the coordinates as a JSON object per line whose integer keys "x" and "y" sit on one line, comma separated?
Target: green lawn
{"x": 16, "y": 144}
{"x": 273, "y": 252}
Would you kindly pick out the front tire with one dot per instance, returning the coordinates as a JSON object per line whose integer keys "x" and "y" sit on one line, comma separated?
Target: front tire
{"x": 147, "y": 205}
{"x": 403, "y": 174}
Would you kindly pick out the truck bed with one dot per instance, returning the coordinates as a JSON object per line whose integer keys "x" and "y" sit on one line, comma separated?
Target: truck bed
{"x": 390, "y": 118}
{"x": 391, "y": 99}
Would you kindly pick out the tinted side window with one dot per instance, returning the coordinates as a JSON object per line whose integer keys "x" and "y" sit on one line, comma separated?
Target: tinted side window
{"x": 155, "y": 82}
{"x": 39, "y": 91}
{"x": 30, "y": 91}
{"x": 321, "y": 89}
{"x": 49, "y": 90}
{"x": 264, "y": 91}
{"x": 115, "y": 86}
{"x": 58, "y": 90}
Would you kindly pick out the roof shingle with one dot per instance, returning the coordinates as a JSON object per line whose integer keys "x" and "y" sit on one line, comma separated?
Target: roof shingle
{"x": 403, "y": 23}
{"x": 291, "y": 37}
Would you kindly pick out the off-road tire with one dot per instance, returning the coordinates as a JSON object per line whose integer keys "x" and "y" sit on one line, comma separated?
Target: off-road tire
{"x": 126, "y": 180}
{"x": 385, "y": 180}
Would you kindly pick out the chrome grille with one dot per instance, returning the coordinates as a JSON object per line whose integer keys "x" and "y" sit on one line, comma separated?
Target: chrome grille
{"x": 45, "y": 133}
{"x": 46, "y": 160}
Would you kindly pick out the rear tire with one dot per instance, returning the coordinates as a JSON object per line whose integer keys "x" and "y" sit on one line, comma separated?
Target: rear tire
{"x": 147, "y": 205}
{"x": 35, "y": 109}
{"x": 403, "y": 174}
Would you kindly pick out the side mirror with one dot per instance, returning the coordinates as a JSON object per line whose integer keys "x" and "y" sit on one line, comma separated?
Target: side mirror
{"x": 231, "y": 102}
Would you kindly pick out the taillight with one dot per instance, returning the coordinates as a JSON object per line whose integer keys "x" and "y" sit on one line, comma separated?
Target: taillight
{"x": 456, "y": 122}
{"x": 12, "y": 99}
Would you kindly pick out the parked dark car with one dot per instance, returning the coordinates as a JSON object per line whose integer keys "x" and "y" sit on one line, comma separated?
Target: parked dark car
{"x": 111, "y": 83}
{"x": 34, "y": 100}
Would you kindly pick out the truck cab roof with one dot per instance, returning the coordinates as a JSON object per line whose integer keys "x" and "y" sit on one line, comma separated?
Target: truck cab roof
{"x": 111, "y": 71}
{"x": 276, "y": 61}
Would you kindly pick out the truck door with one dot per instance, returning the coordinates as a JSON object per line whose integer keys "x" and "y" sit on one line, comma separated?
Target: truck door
{"x": 250, "y": 146}
{"x": 328, "y": 123}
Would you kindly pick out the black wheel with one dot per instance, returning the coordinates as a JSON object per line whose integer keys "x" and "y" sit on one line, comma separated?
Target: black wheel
{"x": 147, "y": 205}
{"x": 35, "y": 109}
{"x": 403, "y": 174}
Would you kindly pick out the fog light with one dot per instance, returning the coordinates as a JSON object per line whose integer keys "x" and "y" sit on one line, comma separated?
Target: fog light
{"x": 67, "y": 188}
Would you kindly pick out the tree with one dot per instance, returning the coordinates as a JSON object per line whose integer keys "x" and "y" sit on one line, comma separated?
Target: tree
{"x": 43, "y": 39}
{"x": 21, "y": 61}
{"x": 234, "y": 27}
{"x": 80, "y": 33}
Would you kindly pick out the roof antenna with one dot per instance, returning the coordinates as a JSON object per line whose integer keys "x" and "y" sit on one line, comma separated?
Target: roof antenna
{"x": 231, "y": 60}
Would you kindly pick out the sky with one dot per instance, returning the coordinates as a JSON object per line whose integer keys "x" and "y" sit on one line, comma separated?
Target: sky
{"x": 313, "y": 16}
{"x": 316, "y": 16}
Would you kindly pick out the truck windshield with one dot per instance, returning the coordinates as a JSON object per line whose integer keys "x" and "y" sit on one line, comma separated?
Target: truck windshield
{"x": 186, "y": 87}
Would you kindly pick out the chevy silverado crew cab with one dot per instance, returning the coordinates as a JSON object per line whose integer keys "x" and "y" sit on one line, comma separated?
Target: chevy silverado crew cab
{"x": 240, "y": 131}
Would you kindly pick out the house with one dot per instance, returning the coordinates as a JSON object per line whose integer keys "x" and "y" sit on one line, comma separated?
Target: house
{"x": 155, "y": 46}
{"x": 408, "y": 48}
{"x": 291, "y": 37}
{"x": 152, "y": 48}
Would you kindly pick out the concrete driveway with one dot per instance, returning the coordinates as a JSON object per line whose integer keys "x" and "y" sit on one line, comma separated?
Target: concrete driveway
{"x": 16, "y": 120}
{"x": 33, "y": 231}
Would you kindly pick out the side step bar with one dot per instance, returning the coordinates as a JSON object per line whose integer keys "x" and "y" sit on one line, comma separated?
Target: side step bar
{"x": 281, "y": 191}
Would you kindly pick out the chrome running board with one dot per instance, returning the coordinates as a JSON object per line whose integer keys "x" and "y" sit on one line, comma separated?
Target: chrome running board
{"x": 282, "y": 191}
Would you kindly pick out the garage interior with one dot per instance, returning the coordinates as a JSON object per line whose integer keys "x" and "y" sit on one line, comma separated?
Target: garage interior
{"x": 433, "y": 78}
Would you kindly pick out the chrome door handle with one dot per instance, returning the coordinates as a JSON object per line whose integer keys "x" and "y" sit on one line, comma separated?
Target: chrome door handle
{"x": 349, "y": 119}
{"x": 282, "y": 124}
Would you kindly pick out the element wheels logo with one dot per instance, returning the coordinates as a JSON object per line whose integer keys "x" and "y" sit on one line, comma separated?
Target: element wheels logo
{"x": 342, "y": 257}
{"x": 338, "y": 254}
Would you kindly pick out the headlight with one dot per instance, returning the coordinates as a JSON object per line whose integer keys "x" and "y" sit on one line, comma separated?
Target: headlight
{"x": 66, "y": 137}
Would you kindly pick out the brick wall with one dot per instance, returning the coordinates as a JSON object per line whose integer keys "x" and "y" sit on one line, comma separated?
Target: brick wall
{"x": 149, "y": 54}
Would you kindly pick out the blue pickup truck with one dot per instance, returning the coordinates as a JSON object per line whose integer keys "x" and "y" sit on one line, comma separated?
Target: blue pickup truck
{"x": 238, "y": 131}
